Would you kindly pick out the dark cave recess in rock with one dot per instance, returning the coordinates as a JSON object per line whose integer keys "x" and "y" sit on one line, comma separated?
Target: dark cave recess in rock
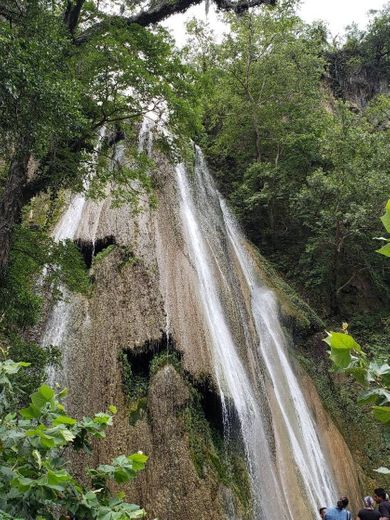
{"x": 90, "y": 249}
{"x": 145, "y": 359}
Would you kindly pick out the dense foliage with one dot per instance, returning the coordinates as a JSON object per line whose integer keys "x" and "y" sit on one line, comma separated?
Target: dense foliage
{"x": 305, "y": 172}
{"x": 372, "y": 374}
{"x": 63, "y": 105}
{"x": 57, "y": 94}
{"x": 36, "y": 482}
{"x": 360, "y": 66}
{"x": 296, "y": 130}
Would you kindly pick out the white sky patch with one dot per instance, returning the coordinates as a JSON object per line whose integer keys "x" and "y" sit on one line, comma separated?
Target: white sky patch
{"x": 338, "y": 14}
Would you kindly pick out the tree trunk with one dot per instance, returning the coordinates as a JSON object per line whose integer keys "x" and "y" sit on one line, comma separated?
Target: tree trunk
{"x": 11, "y": 204}
{"x": 334, "y": 293}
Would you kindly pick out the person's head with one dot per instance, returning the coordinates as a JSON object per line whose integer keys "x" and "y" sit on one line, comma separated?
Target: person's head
{"x": 342, "y": 502}
{"x": 322, "y": 511}
{"x": 379, "y": 495}
{"x": 368, "y": 502}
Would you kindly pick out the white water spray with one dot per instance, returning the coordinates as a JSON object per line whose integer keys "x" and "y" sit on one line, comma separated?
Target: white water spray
{"x": 234, "y": 384}
{"x": 314, "y": 473}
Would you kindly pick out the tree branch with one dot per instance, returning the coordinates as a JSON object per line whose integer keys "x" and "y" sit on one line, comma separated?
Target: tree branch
{"x": 160, "y": 12}
{"x": 72, "y": 14}
{"x": 8, "y": 13}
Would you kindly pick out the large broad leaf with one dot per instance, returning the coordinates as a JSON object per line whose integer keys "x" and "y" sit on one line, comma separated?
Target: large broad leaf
{"x": 138, "y": 459}
{"x": 10, "y": 367}
{"x": 31, "y": 412}
{"x": 341, "y": 358}
{"x": 385, "y": 250}
{"x": 375, "y": 395}
{"x": 64, "y": 419}
{"x": 38, "y": 400}
{"x": 382, "y": 413}
{"x": 58, "y": 480}
{"x": 46, "y": 392}
{"x": 342, "y": 341}
{"x": 386, "y": 217}
{"x": 377, "y": 370}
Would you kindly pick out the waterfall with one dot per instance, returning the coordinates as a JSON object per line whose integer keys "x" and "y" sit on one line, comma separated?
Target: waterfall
{"x": 226, "y": 275}
{"x": 298, "y": 420}
{"x": 264, "y": 408}
{"x": 66, "y": 229}
{"x": 58, "y": 321}
{"x": 231, "y": 375}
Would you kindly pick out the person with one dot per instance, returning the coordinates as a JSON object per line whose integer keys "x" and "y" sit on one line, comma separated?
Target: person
{"x": 322, "y": 511}
{"x": 383, "y": 503}
{"x": 368, "y": 512}
{"x": 339, "y": 512}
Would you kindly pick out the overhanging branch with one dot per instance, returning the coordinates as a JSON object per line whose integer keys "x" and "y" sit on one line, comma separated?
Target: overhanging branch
{"x": 161, "y": 12}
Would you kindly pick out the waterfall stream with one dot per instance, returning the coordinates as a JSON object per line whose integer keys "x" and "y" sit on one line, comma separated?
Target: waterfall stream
{"x": 260, "y": 393}
{"x": 217, "y": 249}
{"x": 58, "y": 321}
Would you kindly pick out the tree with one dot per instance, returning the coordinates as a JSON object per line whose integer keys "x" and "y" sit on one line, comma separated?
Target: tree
{"x": 303, "y": 171}
{"x": 360, "y": 67}
{"x": 68, "y": 68}
{"x": 35, "y": 480}
{"x": 337, "y": 207}
{"x": 372, "y": 374}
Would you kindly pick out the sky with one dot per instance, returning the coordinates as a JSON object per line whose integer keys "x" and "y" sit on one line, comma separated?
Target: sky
{"x": 336, "y": 13}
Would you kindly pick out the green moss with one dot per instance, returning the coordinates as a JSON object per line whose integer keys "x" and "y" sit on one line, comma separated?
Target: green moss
{"x": 292, "y": 305}
{"x": 128, "y": 258}
{"x": 211, "y": 454}
{"x": 104, "y": 253}
{"x": 135, "y": 386}
{"x": 138, "y": 410}
{"x": 165, "y": 358}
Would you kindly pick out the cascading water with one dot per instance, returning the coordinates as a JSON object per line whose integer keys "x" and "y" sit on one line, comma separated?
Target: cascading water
{"x": 59, "y": 318}
{"x": 66, "y": 229}
{"x": 231, "y": 375}
{"x": 217, "y": 249}
{"x": 305, "y": 443}
{"x": 240, "y": 320}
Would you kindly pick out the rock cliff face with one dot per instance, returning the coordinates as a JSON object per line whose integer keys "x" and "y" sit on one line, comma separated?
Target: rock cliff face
{"x": 141, "y": 341}
{"x": 353, "y": 81}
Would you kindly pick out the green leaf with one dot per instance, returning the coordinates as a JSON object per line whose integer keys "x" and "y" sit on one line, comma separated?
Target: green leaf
{"x": 138, "y": 459}
{"x": 46, "y": 392}
{"x": 64, "y": 392}
{"x": 341, "y": 341}
{"x": 102, "y": 418}
{"x": 385, "y": 250}
{"x": 31, "y": 412}
{"x": 382, "y": 413}
{"x": 38, "y": 400}
{"x": 386, "y": 217}
{"x": 359, "y": 373}
{"x": 58, "y": 480}
{"x": 64, "y": 419}
{"x": 68, "y": 435}
{"x": 374, "y": 395}
{"x": 10, "y": 367}
{"x": 38, "y": 458}
{"x": 377, "y": 370}
{"x": 341, "y": 358}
